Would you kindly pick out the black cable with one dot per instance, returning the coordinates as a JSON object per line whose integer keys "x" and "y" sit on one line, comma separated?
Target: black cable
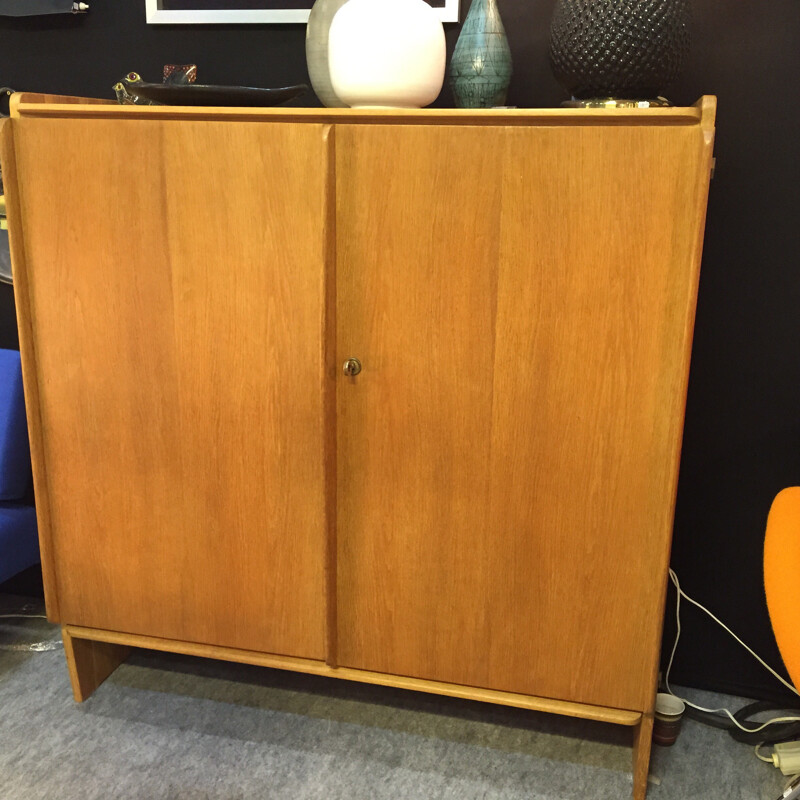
{"x": 779, "y": 732}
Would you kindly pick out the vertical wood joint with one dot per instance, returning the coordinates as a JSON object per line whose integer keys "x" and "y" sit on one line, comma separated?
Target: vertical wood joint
{"x": 329, "y": 374}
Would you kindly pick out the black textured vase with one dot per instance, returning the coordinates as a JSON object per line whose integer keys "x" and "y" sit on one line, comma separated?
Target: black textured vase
{"x": 627, "y": 49}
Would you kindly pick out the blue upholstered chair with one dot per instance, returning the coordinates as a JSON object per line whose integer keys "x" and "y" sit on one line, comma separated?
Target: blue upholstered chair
{"x": 19, "y": 544}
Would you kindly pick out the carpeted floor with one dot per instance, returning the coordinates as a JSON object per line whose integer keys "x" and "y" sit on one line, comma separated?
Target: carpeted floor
{"x": 166, "y": 727}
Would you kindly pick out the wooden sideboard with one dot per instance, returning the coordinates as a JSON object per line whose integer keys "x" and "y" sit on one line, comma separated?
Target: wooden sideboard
{"x": 484, "y": 510}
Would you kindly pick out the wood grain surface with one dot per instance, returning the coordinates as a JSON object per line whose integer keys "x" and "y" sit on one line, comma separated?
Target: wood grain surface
{"x": 30, "y": 375}
{"x": 38, "y": 105}
{"x": 642, "y": 744}
{"x": 616, "y": 716}
{"x": 507, "y": 459}
{"x": 174, "y": 293}
{"x": 38, "y": 99}
{"x": 90, "y": 662}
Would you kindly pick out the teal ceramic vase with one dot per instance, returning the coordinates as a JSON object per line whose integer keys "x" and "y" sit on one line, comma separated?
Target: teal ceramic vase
{"x": 480, "y": 70}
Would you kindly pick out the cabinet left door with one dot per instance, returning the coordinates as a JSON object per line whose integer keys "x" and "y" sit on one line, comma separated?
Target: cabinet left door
{"x": 175, "y": 275}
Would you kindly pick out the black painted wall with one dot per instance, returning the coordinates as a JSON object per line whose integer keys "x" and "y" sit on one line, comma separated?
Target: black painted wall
{"x": 742, "y": 437}
{"x": 8, "y": 322}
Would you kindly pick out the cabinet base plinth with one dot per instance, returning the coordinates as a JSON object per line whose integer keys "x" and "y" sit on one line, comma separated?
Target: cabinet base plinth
{"x": 642, "y": 739}
{"x": 93, "y": 654}
{"x": 90, "y": 662}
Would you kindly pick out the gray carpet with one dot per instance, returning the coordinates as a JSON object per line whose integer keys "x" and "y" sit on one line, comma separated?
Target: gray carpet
{"x": 173, "y": 728}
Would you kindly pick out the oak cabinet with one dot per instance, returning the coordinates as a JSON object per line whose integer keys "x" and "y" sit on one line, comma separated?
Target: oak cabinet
{"x": 484, "y": 510}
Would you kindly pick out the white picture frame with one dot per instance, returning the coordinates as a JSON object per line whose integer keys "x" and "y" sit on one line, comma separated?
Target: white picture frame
{"x": 157, "y": 15}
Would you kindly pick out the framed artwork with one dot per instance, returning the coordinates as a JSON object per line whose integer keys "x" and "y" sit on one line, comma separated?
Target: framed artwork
{"x": 197, "y": 12}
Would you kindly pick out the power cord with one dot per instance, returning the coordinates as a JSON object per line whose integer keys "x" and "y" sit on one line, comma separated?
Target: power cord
{"x": 790, "y": 725}
{"x": 760, "y": 757}
{"x": 35, "y": 647}
{"x": 792, "y": 790}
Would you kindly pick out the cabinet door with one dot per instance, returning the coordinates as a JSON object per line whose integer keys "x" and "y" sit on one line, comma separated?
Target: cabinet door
{"x": 176, "y": 274}
{"x": 521, "y": 300}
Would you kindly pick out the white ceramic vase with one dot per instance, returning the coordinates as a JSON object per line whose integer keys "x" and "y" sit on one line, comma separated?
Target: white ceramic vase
{"x": 386, "y": 54}
{"x": 317, "y": 30}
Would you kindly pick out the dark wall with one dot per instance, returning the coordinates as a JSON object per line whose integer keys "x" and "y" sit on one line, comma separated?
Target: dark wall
{"x": 742, "y": 434}
{"x": 742, "y": 439}
{"x": 8, "y": 320}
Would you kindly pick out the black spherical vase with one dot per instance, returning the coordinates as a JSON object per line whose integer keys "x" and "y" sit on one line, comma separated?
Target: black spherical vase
{"x": 622, "y": 49}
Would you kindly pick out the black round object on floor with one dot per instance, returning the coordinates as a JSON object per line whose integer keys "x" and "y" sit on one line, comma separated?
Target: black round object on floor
{"x": 626, "y": 49}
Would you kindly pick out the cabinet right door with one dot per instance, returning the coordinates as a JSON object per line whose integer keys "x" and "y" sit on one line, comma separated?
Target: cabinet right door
{"x": 521, "y": 300}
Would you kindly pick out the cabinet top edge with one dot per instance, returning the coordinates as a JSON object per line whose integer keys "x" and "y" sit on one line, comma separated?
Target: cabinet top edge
{"x": 54, "y": 106}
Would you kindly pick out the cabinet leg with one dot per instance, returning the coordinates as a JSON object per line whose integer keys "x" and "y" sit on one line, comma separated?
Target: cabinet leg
{"x": 90, "y": 663}
{"x": 642, "y": 739}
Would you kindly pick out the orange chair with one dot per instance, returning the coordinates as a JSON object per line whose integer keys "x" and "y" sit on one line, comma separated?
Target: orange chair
{"x": 782, "y": 576}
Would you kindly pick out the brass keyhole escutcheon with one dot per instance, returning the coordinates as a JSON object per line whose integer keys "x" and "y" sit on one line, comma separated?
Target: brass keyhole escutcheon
{"x": 352, "y": 367}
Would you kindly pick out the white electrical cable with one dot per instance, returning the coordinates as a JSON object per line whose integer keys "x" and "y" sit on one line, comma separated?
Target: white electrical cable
{"x": 763, "y": 758}
{"x": 680, "y": 594}
{"x": 36, "y": 647}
